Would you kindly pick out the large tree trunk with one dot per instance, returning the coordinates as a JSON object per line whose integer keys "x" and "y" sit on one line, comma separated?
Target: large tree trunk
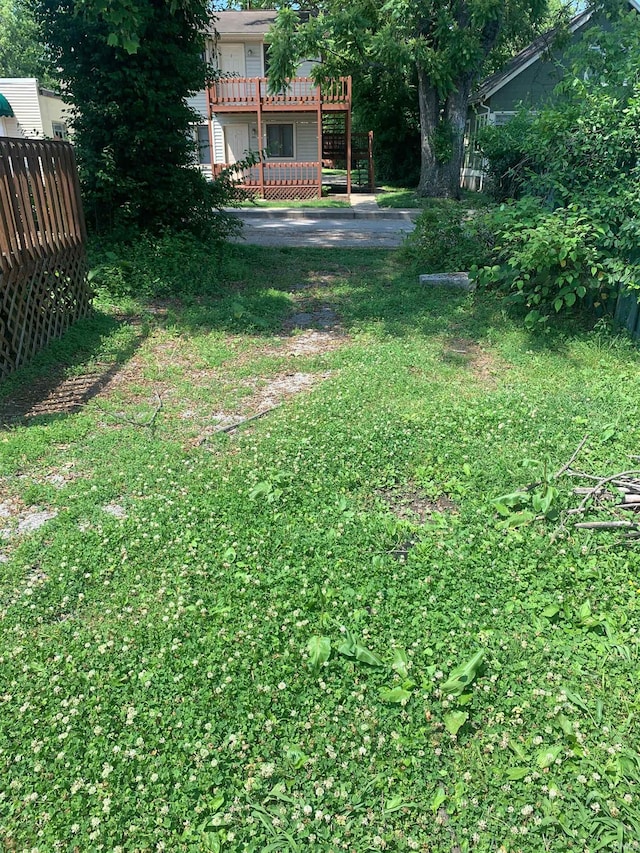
{"x": 440, "y": 175}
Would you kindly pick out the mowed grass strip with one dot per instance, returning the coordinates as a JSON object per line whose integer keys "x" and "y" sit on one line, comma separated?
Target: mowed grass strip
{"x": 315, "y": 631}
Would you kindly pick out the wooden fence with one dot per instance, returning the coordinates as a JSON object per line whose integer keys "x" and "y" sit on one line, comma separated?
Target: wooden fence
{"x": 43, "y": 270}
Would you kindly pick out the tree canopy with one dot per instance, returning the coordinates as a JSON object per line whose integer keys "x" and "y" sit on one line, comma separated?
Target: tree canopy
{"x": 438, "y": 49}
{"x": 22, "y": 51}
{"x": 127, "y": 67}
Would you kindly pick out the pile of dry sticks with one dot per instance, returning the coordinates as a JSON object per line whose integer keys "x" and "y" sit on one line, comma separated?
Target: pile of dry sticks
{"x": 617, "y": 496}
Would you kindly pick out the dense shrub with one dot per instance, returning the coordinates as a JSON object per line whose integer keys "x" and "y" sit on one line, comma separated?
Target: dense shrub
{"x": 449, "y": 238}
{"x": 553, "y": 260}
{"x": 574, "y": 235}
{"x": 156, "y": 266}
{"x": 128, "y": 69}
{"x": 506, "y": 149}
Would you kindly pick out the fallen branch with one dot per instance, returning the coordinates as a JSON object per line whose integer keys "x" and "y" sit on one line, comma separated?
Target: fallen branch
{"x": 244, "y": 421}
{"x": 573, "y": 458}
{"x": 606, "y": 525}
{"x": 237, "y": 424}
{"x": 604, "y": 481}
{"x": 118, "y": 416}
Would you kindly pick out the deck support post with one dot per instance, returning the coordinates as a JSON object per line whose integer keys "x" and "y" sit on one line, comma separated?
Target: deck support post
{"x": 347, "y": 122}
{"x": 261, "y": 163}
{"x": 210, "y": 128}
{"x": 319, "y": 97}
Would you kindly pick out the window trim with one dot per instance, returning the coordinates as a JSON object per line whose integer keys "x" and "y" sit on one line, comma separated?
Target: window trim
{"x": 291, "y": 156}
{"x": 203, "y": 146}
{"x": 62, "y": 134}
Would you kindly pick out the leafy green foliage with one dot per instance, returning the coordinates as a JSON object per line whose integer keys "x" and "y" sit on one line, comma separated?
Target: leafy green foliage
{"x": 160, "y": 266}
{"x": 418, "y": 60}
{"x": 573, "y": 237}
{"x": 506, "y": 151}
{"x": 554, "y": 260}
{"x": 22, "y": 53}
{"x": 448, "y": 238}
{"x": 319, "y": 649}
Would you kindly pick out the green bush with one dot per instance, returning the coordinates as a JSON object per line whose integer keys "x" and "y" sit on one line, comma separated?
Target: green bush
{"x": 505, "y": 149}
{"x": 171, "y": 264}
{"x": 449, "y": 238}
{"x": 552, "y": 261}
{"x": 573, "y": 238}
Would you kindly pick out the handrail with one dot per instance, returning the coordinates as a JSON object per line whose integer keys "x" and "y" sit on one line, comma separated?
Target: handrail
{"x": 247, "y": 91}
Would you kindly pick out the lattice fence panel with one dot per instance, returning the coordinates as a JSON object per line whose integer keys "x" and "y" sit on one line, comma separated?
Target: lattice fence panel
{"x": 43, "y": 269}
{"x": 290, "y": 192}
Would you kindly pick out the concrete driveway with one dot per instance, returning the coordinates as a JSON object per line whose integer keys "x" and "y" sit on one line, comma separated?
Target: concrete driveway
{"x": 357, "y": 226}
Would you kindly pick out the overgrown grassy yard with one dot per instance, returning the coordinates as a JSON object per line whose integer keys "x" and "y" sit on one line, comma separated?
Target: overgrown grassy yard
{"x": 161, "y": 687}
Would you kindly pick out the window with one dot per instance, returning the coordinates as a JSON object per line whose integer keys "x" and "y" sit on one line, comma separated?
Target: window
{"x": 59, "y": 129}
{"x": 204, "y": 145}
{"x": 502, "y": 118}
{"x": 265, "y": 56}
{"x": 280, "y": 140}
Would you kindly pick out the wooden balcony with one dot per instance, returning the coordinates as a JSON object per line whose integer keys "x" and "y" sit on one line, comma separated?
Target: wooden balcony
{"x": 250, "y": 94}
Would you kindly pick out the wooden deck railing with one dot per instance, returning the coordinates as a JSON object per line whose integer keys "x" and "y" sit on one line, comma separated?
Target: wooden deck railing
{"x": 43, "y": 270}
{"x": 230, "y": 92}
{"x": 276, "y": 174}
{"x": 278, "y": 180}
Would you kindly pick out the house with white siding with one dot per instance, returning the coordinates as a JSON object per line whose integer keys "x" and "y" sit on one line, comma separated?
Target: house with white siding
{"x": 240, "y": 115}
{"x": 29, "y": 111}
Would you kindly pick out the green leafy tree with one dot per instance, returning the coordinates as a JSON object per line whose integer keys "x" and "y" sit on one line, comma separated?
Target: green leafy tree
{"x": 22, "y": 53}
{"x": 443, "y": 46}
{"x": 127, "y": 67}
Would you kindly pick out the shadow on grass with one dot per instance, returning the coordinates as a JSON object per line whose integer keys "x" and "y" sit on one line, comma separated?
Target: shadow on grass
{"x": 255, "y": 291}
{"x": 72, "y": 370}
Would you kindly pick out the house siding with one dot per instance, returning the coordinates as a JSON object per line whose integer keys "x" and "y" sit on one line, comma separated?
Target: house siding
{"x": 531, "y": 87}
{"x": 304, "y": 134}
{"x": 218, "y": 140}
{"x": 199, "y": 104}
{"x": 305, "y": 68}
{"x": 52, "y": 109}
{"x": 253, "y": 60}
{"x": 22, "y": 94}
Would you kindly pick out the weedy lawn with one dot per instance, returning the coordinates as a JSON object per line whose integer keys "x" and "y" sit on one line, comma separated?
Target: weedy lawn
{"x": 315, "y": 631}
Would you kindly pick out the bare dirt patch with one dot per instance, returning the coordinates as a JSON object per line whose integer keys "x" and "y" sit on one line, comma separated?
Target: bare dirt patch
{"x": 484, "y": 366}
{"x": 17, "y": 519}
{"x": 411, "y": 504}
{"x": 54, "y": 395}
{"x": 268, "y": 395}
{"x": 314, "y": 342}
{"x": 314, "y": 280}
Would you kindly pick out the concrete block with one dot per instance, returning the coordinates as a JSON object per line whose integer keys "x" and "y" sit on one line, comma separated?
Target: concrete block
{"x": 459, "y": 280}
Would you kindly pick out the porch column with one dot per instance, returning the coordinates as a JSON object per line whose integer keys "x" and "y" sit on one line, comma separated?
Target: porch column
{"x": 348, "y": 135}
{"x": 260, "y": 164}
{"x": 319, "y": 97}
